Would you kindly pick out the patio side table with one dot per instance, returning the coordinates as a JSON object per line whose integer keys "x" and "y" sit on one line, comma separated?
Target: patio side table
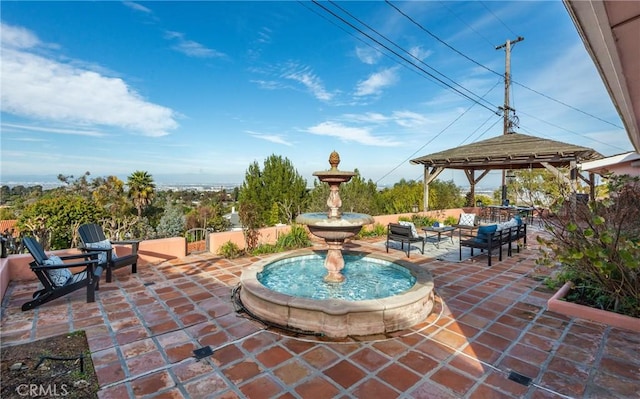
{"x": 438, "y": 231}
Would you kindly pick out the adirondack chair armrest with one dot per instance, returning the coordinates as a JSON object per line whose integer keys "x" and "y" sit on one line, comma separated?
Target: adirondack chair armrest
{"x": 79, "y": 256}
{"x": 90, "y": 264}
{"x": 83, "y": 247}
{"x": 126, "y": 242}
{"x": 134, "y": 244}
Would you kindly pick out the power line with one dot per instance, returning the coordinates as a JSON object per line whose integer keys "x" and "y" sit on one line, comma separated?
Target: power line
{"x": 496, "y": 17}
{"x": 420, "y": 26}
{"x": 403, "y": 57}
{"x": 582, "y": 136}
{"x": 567, "y": 105}
{"x": 435, "y": 137}
{"x": 444, "y": 4}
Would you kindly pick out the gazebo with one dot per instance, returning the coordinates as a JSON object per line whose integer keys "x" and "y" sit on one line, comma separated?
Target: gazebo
{"x": 507, "y": 152}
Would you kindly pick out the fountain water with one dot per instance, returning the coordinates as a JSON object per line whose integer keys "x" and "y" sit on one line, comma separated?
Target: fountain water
{"x": 335, "y": 317}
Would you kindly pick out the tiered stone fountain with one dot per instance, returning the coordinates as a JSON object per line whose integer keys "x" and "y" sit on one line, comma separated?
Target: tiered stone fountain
{"x": 332, "y": 227}
{"x": 335, "y": 317}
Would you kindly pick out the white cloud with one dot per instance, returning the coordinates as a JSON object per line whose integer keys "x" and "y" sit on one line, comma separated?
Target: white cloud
{"x": 7, "y": 127}
{"x": 264, "y": 35}
{"x": 17, "y": 37}
{"x": 191, "y": 48}
{"x": 137, "y": 7}
{"x": 359, "y": 135}
{"x": 268, "y": 84}
{"x": 410, "y": 119}
{"x": 274, "y": 138}
{"x": 420, "y": 53}
{"x": 37, "y": 87}
{"x": 368, "y": 55}
{"x": 376, "y": 82}
{"x": 309, "y": 80}
{"x": 367, "y": 117}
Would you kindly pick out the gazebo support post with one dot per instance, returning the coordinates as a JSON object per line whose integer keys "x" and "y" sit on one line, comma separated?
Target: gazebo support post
{"x": 473, "y": 181}
{"x": 429, "y": 176}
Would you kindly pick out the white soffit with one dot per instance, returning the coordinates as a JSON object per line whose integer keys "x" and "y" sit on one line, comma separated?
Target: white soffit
{"x": 610, "y": 31}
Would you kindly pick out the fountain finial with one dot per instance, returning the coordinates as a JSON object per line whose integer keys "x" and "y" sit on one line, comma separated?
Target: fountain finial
{"x": 334, "y": 160}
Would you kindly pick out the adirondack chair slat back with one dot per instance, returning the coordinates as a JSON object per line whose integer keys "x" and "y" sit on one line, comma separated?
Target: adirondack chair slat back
{"x": 35, "y": 249}
{"x": 91, "y": 233}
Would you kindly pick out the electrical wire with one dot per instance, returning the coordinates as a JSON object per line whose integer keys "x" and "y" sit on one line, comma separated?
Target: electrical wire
{"x": 435, "y": 137}
{"x": 405, "y": 59}
{"x": 496, "y": 17}
{"x": 420, "y": 26}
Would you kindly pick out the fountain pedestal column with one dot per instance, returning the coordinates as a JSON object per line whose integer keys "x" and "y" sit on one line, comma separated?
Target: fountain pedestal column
{"x": 334, "y": 226}
{"x": 334, "y": 202}
{"x": 334, "y": 262}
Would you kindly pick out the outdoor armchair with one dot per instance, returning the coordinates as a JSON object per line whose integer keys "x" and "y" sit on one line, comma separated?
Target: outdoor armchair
{"x": 56, "y": 279}
{"x": 94, "y": 240}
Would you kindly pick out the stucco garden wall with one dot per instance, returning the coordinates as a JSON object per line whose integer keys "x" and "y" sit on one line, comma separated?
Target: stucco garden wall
{"x": 16, "y": 267}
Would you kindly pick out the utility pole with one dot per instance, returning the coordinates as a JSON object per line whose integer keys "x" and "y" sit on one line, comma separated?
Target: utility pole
{"x": 506, "y": 110}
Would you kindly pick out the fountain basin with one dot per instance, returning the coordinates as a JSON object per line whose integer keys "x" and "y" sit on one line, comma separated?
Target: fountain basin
{"x": 336, "y": 318}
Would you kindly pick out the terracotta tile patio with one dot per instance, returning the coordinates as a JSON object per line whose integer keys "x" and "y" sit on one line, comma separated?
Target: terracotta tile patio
{"x": 490, "y": 329}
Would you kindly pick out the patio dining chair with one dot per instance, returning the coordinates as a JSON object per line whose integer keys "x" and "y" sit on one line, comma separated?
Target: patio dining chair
{"x": 56, "y": 278}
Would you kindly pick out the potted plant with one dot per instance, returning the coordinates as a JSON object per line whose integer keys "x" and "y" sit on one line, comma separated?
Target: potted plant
{"x": 597, "y": 248}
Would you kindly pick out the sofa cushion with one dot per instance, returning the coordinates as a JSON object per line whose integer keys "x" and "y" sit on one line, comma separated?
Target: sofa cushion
{"x": 58, "y": 276}
{"x": 102, "y": 255}
{"x": 467, "y": 219}
{"x": 414, "y": 232}
{"x": 507, "y": 225}
{"x": 483, "y": 233}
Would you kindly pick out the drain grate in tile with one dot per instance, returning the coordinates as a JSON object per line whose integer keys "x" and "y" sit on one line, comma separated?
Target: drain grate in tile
{"x": 203, "y": 352}
{"x": 519, "y": 378}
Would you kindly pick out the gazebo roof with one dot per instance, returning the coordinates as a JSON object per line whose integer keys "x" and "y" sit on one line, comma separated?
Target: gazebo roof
{"x": 509, "y": 151}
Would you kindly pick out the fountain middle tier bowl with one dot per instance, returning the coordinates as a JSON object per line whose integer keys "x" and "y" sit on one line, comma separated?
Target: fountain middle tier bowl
{"x": 333, "y": 317}
{"x": 334, "y": 229}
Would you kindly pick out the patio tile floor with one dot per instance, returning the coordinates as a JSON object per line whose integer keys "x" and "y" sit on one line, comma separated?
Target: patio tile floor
{"x": 489, "y": 327}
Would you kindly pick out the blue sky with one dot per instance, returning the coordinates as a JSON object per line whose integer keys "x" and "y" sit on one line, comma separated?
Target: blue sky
{"x": 194, "y": 92}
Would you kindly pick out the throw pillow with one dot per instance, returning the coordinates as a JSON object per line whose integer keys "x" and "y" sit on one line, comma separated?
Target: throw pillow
{"x": 467, "y": 219}
{"x": 414, "y": 232}
{"x": 102, "y": 255}
{"x": 484, "y": 231}
{"x": 58, "y": 276}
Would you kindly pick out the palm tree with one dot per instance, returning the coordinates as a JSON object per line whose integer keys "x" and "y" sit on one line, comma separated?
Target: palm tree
{"x": 141, "y": 189}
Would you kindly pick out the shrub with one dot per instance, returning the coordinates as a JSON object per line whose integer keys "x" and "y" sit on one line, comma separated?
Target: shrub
{"x": 297, "y": 237}
{"x": 376, "y": 230}
{"x": 265, "y": 249}
{"x": 230, "y": 250}
{"x": 597, "y": 246}
{"x": 422, "y": 221}
{"x": 451, "y": 220}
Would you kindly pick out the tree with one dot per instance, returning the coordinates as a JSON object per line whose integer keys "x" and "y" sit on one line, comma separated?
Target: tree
{"x": 360, "y": 196}
{"x": 278, "y": 183}
{"x": 80, "y": 186}
{"x": 109, "y": 195}
{"x": 172, "y": 223}
{"x": 535, "y": 187}
{"x": 141, "y": 190}
{"x": 444, "y": 195}
{"x": 56, "y": 219}
{"x": 402, "y": 196}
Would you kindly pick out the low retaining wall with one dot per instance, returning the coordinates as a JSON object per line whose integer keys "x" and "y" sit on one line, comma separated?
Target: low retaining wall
{"x": 269, "y": 235}
{"x": 16, "y": 267}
